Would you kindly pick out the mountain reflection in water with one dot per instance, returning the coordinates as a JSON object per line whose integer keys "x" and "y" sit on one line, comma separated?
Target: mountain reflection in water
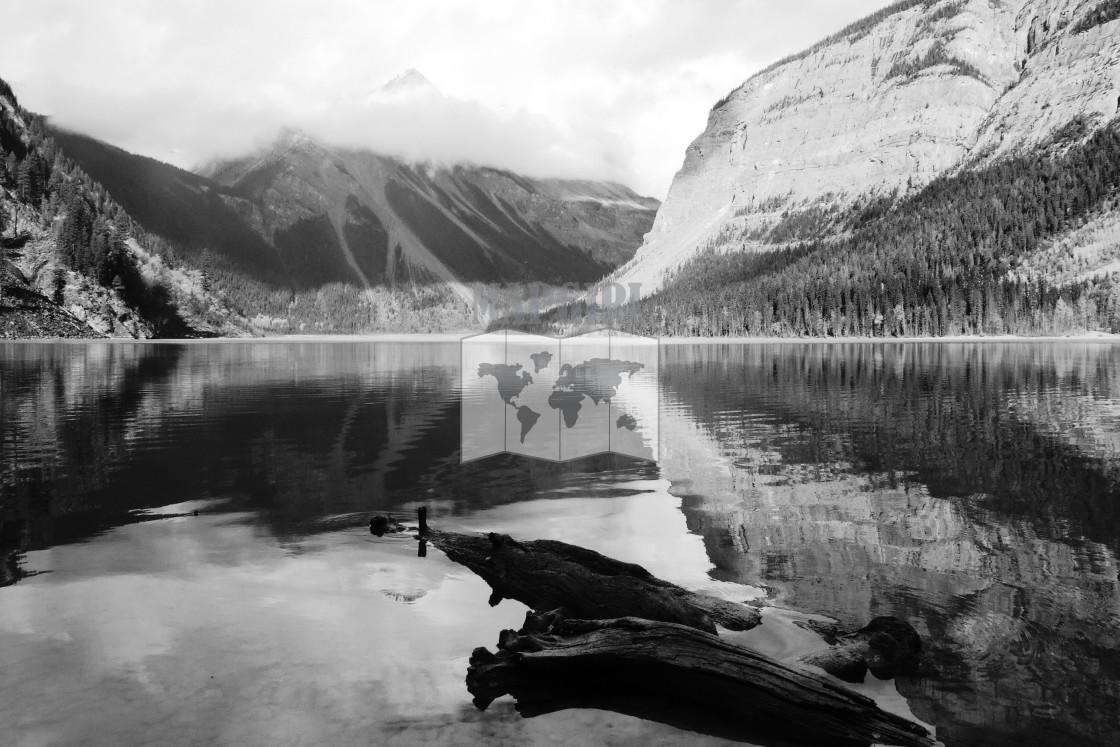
{"x": 971, "y": 489}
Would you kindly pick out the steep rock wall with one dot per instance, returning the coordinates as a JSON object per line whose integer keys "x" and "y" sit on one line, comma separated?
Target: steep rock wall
{"x": 887, "y": 105}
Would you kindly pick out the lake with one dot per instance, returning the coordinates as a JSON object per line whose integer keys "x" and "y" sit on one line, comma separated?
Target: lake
{"x": 185, "y": 559}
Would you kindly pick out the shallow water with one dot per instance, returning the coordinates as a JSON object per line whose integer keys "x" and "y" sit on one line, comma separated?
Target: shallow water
{"x": 970, "y": 488}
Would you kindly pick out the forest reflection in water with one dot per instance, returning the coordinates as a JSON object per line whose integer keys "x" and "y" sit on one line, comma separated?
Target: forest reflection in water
{"x": 969, "y": 488}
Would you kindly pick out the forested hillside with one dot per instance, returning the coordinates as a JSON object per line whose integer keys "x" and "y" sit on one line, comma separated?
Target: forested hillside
{"x": 76, "y": 263}
{"x": 187, "y": 221}
{"x": 67, "y": 269}
{"x": 921, "y": 91}
{"x": 957, "y": 257}
{"x": 306, "y": 237}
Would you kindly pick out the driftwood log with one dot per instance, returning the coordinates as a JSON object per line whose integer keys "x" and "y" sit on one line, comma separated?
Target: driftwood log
{"x": 886, "y": 646}
{"x": 678, "y": 675}
{"x": 546, "y": 574}
{"x": 620, "y": 639}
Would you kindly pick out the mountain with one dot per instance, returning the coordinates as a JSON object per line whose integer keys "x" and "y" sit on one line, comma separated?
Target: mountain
{"x": 300, "y": 213}
{"x": 919, "y": 94}
{"x": 409, "y": 84}
{"x": 181, "y": 207}
{"x": 358, "y": 216}
{"x": 73, "y": 263}
{"x": 305, "y": 236}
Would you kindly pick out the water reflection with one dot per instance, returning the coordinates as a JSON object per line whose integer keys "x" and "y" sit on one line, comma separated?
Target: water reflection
{"x": 193, "y": 630}
{"x": 92, "y": 433}
{"x": 271, "y": 616}
{"x": 970, "y": 489}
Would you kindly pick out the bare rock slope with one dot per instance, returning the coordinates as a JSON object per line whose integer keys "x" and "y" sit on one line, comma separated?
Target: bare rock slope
{"x": 921, "y": 89}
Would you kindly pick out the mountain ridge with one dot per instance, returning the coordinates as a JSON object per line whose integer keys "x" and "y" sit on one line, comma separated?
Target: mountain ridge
{"x": 921, "y": 89}
{"x": 302, "y": 236}
{"x": 298, "y": 198}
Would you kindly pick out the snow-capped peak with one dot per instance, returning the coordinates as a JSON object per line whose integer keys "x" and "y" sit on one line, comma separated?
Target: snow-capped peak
{"x": 408, "y": 85}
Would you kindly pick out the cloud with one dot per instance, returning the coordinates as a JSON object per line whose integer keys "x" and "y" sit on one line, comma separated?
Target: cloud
{"x": 445, "y": 129}
{"x": 575, "y": 88}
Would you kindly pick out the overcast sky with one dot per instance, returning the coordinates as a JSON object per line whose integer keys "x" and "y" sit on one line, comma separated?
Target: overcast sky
{"x": 583, "y": 88}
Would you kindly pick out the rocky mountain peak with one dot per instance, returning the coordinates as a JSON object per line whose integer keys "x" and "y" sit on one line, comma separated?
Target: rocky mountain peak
{"x": 410, "y": 84}
{"x": 293, "y": 137}
{"x": 921, "y": 89}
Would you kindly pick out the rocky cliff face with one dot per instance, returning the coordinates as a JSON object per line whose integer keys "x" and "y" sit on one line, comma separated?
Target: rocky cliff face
{"x": 923, "y": 89}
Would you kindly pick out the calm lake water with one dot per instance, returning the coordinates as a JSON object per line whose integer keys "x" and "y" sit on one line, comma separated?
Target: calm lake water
{"x": 972, "y": 489}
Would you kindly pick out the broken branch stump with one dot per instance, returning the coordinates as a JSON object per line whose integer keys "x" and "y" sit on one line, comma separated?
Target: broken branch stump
{"x": 886, "y": 646}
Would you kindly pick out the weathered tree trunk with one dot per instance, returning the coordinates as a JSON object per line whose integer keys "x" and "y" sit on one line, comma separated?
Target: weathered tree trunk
{"x": 678, "y": 675}
{"x": 886, "y": 646}
{"x": 639, "y": 645}
{"x": 545, "y": 575}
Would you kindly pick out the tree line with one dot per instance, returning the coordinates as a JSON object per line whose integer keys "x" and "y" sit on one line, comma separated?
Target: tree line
{"x": 947, "y": 260}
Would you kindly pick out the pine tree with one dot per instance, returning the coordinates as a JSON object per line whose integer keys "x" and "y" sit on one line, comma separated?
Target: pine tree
{"x": 58, "y": 285}
{"x": 97, "y": 263}
{"x": 54, "y": 184}
{"x": 31, "y": 182}
{"x": 24, "y": 178}
{"x": 74, "y": 236}
{"x": 206, "y": 268}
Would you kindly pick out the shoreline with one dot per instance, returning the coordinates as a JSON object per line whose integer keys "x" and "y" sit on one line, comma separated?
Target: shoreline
{"x": 400, "y": 337}
{"x": 1102, "y": 337}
